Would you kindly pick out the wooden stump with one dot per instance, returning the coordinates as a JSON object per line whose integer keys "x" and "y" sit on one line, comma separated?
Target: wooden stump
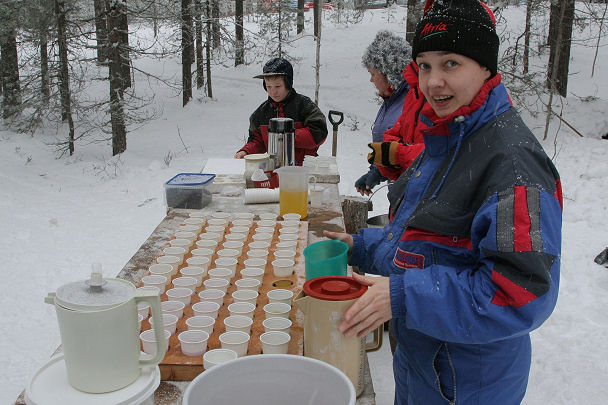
{"x": 355, "y": 211}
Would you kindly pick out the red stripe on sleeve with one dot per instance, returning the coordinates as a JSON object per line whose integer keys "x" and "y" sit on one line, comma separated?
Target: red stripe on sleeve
{"x": 521, "y": 221}
{"x": 558, "y": 193}
{"x": 509, "y": 293}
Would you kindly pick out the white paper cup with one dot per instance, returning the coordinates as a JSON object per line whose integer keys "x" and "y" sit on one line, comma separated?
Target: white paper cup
{"x": 203, "y": 252}
{"x": 221, "y": 229}
{"x": 249, "y": 296}
{"x": 289, "y": 216}
{"x": 180, "y": 294}
{"x": 285, "y": 254}
{"x": 194, "y": 221}
{"x": 256, "y": 262}
{"x": 253, "y": 272}
{"x": 197, "y": 214}
{"x": 186, "y": 282}
{"x": 188, "y": 228}
{"x": 234, "y": 245}
{"x": 201, "y": 322}
{"x": 191, "y": 236}
{"x": 264, "y": 229}
{"x": 290, "y": 229}
{"x": 277, "y": 323}
{"x": 155, "y": 280}
{"x": 284, "y": 237}
{"x": 291, "y": 223}
{"x": 217, "y": 356}
{"x": 140, "y": 318}
{"x": 257, "y": 253}
{"x": 184, "y": 243}
{"x": 206, "y": 244}
{"x": 247, "y": 284}
{"x": 220, "y": 272}
{"x": 217, "y": 222}
{"x": 244, "y": 222}
{"x": 216, "y": 283}
{"x": 164, "y": 270}
{"x": 239, "y": 323}
{"x": 279, "y": 309}
{"x": 212, "y": 236}
{"x": 175, "y": 251}
{"x": 143, "y": 309}
{"x": 235, "y": 340}
{"x": 267, "y": 223}
{"x": 193, "y": 342}
{"x": 239, "y": 229}
{"x": 148, "y": 340}
{"x": 169, "y": 322}
{"x": 259, "y": 244}
{"x": 195, "y": 272}
{"x": 237, "y": 237}
{"x": 243, "y": 215}
{"x": 242, "y": 308}
{"x": 267, "y": 216}
{"x": 280, "y": 295}
{"x": 227, "y": 263}
{"x": 206, "y": 308}
{"x": 199, "y": 261}
{"x": 174, "y": 261}
{"x": 282, "y": 267}
{"x": 287, "y": 245}
{"x": 221, "y": 215}
{"x": 228, "y": 253}
{"x": 275, "y": 342}
{"x": 212, "y": 295}
{"x": 173, "y": 307}
{"x": 263, "y": 236}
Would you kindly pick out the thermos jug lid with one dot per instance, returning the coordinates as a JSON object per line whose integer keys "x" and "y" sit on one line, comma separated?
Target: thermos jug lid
{"x": 83, "y": 296}
{"x": 334, "y": 288}
{"x": 280, "y": 125}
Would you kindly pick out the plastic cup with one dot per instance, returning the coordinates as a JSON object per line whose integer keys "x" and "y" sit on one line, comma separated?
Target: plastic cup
{"x": 220, "y": 272}
{"x": 241, "y": 308}
{"x": 140, "y": 318}
{"x": 169, "y": 322}
{"x": 259, "y": 253}
{"x": 267, "y": 216}
{"x": 245, "y": 222}
{"x": 164, "y": 270}
{"x": 206, "y": 243}
{"x": 191, "y": 236}
{"x": 277, "y": 323}
{"x": 203, "y": 252}
{"x": 195, "y": 272}
{"x": 228, "y": 252}
{"x": 290, "y": 216}
{"x": 197, "y": 214}
{"x": 234, "y": 245}
{"x": 212, "y": 295}
{"x": 285, "y": 230}
{"x": 264, "y": 229}
{"x": 285, "y": 254}
{"x": 267, "y": 223}
{"x": 175, "y": 251}
{"x": 212, "y": 236}
{"x": 143, "y": 309}
{"x": 287, "y": 245}
{"x": 280, "y": 295}
{"x": 221, "y": 229}
{"x": 199, "y": 261}
{"x": 184, "y": 243}
{"x": 193, "y": 342}
{"x": 221, "y": 215}
{"x": 275, "y": 342}
{"x": 206, "y": 308}
{"x": 201, "y": 322}
{"x": 235, "y": 340}
{"x": 237, "y": 237}
{"x": 194, "y": 221}
{"x": 216, "y": 284}
{"x": 259, "y": 244}
{"x": 243, "y": 215}
{"x": 188, "y": 228}
{"x": 217, "y": 356}
{"x": 227, "y": 263}
{"x": 256, "y": 262}
{"x": 155, "y": 281}
{"x": 284, "y": 237}
{"x": 250, "y": 296}
{"x": 279, "y": 309}
{"x": 283, "y": 267}
{"x": 326, "y": 258}
{"x": 173, "y": 307}
{"x": 247, "y": 284}
{"x": 240, "y": 229}
{"x": 291, "y": 223}
{"x": 186, "y": 282}
{"x": 217, "y": 222}
{"x": 180, "y": 294}
{"x": 174, "y": 261}
{"x": 253, "y": 272}
{"x": 149, "y": 341}
{"x": 239, "y": 323}
{"x": 263, "y": 236}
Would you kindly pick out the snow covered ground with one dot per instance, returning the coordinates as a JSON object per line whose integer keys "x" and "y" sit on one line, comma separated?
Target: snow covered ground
{"x": 60, "y": 215}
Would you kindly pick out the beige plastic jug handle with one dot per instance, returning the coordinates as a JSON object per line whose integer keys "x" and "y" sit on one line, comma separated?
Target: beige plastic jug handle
{"x": 152, "y": 298}
{"x": 377, "y": 341}
{"x": 301, "y": 302}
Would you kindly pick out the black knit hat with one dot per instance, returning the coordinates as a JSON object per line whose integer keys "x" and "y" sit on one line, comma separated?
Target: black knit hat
{"x": 275, "y": 67}
{"x": 466, "y": 27}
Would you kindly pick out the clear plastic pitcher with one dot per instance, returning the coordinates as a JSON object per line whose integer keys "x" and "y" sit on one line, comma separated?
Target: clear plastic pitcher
{"x": 293, "y": 190}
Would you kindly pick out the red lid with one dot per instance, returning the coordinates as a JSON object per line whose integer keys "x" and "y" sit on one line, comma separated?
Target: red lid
{"x": 334, "y": 288}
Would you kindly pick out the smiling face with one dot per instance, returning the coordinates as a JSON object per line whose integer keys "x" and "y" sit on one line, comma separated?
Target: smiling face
{"x": 449, "y": 80}
{"x": 275, "y": 86}
{"x": 379, "y": 80}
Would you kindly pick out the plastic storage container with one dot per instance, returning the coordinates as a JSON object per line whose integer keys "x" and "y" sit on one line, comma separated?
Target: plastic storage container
{"x": 189, "y": 190}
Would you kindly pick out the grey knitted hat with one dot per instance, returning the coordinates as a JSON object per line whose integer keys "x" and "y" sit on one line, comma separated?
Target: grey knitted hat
{"x": 389, "y": 54}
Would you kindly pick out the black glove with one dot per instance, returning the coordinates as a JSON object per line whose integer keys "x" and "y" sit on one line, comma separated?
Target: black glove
{"x": 369, "y": 180}
{"x": 383, "y": 154}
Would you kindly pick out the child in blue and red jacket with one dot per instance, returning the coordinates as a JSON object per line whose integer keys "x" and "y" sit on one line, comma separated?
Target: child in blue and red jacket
{"x": 471, "y": 258}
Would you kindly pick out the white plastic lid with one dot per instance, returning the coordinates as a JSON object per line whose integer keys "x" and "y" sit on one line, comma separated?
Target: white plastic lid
{"x": 88, "y": 295}
{"x": 50, "y": 386}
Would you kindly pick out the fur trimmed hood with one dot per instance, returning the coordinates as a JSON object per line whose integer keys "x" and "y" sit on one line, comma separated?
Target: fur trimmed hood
{"x": 389, "y": 54}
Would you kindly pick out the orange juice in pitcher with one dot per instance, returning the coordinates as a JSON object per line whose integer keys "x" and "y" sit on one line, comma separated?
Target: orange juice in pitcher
{"x": 293, "y": 190}
{"x": 293, "y": 202}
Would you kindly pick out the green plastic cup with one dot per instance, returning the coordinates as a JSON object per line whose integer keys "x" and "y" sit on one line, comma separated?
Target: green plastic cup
{"x": 326, "y": 258}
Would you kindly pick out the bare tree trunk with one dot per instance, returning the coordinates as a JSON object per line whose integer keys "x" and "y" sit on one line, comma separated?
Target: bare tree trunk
{"x": 124, "y": 49}
{"x": 215, "y": 13}
{"x": 599, "y": 37}
{"x": 300, "y": 18}
{"x": 101, "y": 32}
{"x": 317, "y": 17}
{"x": 208, "y": 51}
{"x": 187, "y": 52}
{"x": 200, "y": 77}
{"x": 117, "y": 116}
{"x": 64, "y": 78}
{"x": 529, "y": 7}
{"x": 239, "y": 57}
{"x": 9, "y": 68}
{"x": 414, "y": 14}
{"x": 155, "y": 18}
{"x": 319, "y": 3}
{"x": 560, "y": 40}
{"x": 45, "y": 92}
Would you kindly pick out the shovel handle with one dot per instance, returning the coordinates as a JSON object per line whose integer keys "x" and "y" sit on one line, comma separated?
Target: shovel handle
{"x": 333, "y": 121}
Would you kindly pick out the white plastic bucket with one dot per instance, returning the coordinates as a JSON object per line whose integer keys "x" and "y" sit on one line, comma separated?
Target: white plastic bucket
{"x": 271, "y": 379}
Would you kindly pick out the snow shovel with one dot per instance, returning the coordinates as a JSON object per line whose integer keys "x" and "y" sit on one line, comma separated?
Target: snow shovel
{"x": 335, "y": 124}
